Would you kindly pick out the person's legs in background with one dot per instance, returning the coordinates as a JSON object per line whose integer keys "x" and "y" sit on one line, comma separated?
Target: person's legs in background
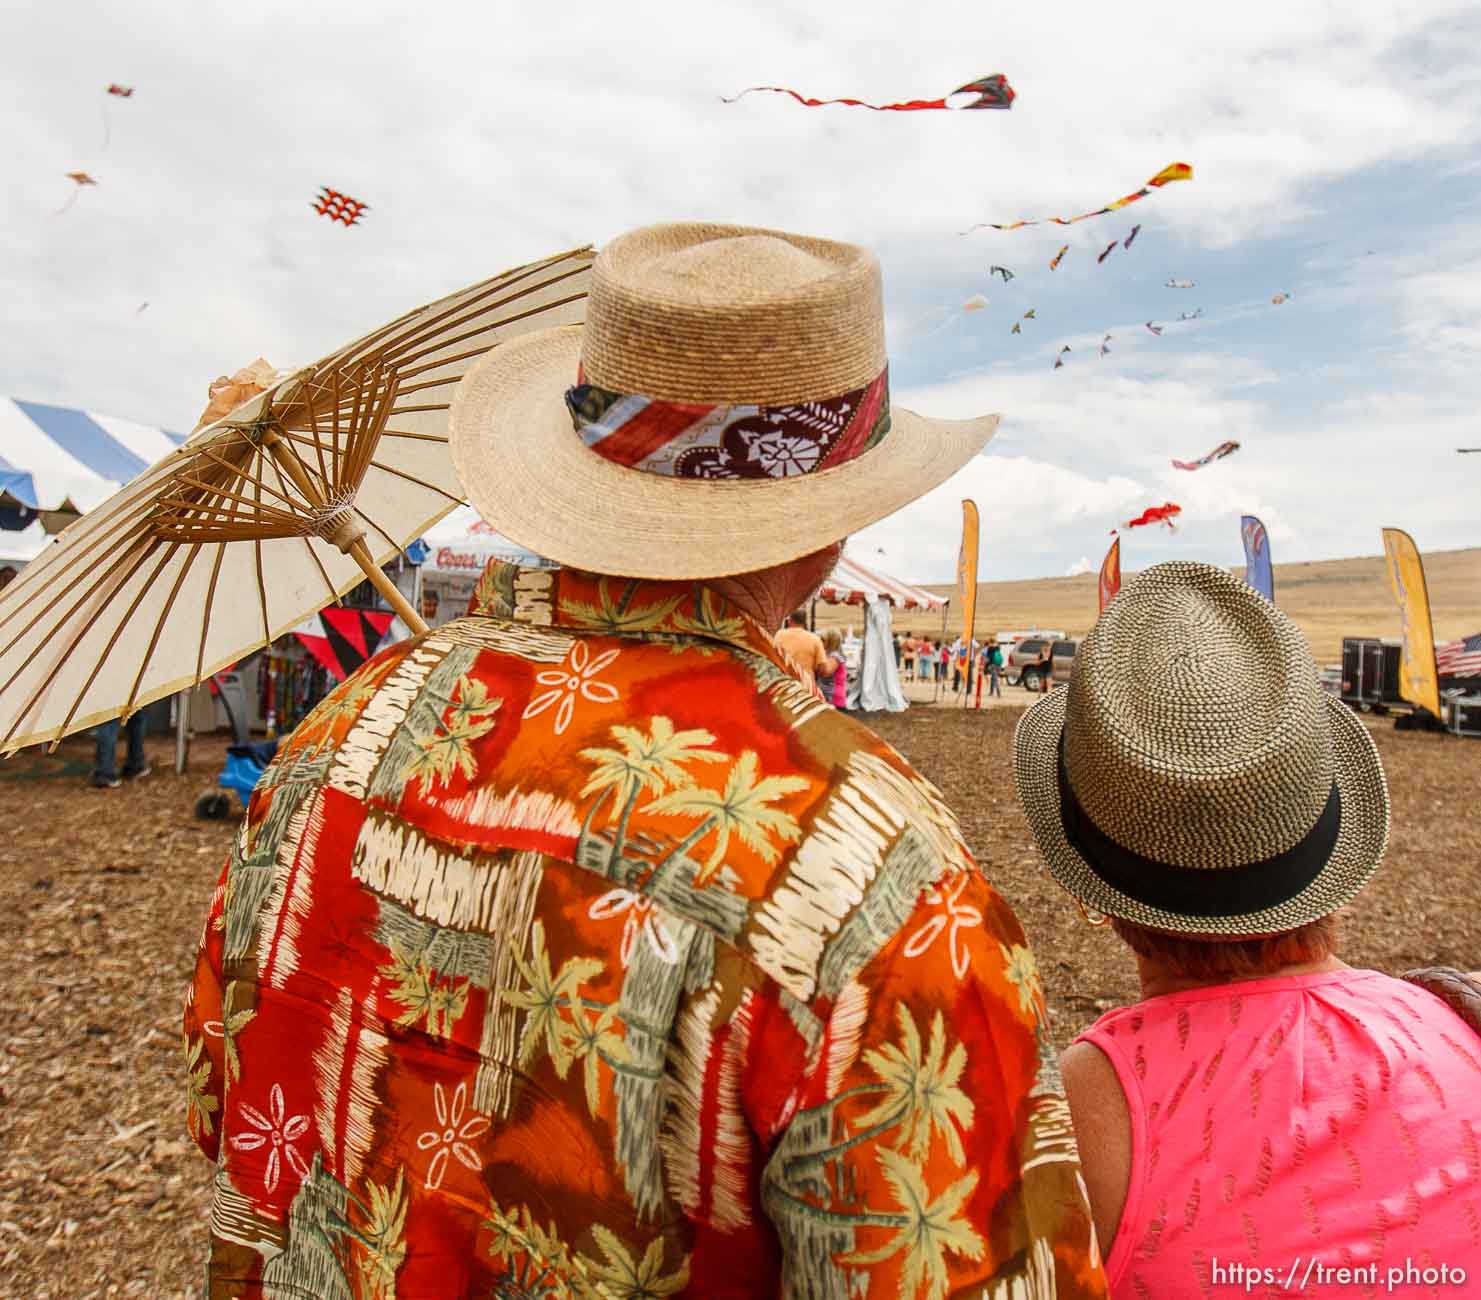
{"x": 135, "y": 764}
{"x": 105, "y": 759}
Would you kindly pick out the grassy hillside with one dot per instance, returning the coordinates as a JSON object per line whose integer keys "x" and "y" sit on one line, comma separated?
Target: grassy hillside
{"x": 1330, "y": 599}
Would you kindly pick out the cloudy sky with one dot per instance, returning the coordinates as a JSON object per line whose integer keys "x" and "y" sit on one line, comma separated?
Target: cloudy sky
{"x": 1337, "y": 150}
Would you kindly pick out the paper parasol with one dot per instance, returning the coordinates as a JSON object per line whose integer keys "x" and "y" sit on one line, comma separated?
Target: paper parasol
{"x": 260, "y": 519}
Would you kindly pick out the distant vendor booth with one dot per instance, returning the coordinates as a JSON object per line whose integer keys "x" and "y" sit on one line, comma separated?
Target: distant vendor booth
{"x": 877, "y": 683}
{"x": 454, "y": 564}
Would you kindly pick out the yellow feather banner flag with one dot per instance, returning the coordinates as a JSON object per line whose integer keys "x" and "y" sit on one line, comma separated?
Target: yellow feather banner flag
{"x": 1419, "y": 681}
{"x": 966, "y": 577}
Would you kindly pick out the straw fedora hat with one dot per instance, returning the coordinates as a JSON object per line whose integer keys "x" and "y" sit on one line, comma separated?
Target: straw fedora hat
{"x": 725, "y": 407}
{"x": 1194, "y": 777}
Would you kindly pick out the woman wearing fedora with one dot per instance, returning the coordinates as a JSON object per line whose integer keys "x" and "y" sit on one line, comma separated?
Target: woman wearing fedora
{"x": 1266, "y": 1115}
{"x": 575, "y": 947}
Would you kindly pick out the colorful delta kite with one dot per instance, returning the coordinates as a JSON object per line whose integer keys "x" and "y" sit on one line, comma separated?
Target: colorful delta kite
{"x": 1163, "y": 514}
{"x": 1107, "y": 252}
{"x": 1105, "y": 346}
{"x": 1018, "y": 324}
{"x": 1181, "y": 284}
{"x": 338, "y": 207}
{"x": 81, "y": 180}
{"x": 1172, "y": 172}
{"x": 1131, "y": 236}
{"x": 985, "y": 92}
{"x": 1059, "y": 360}
{"x": 1001, "y": 270}
{"x": 975, "y": 303}
{"x": 1218, "y": 453}
{"x": 1156, "y": 329}
{"x": 1058, "y": 257}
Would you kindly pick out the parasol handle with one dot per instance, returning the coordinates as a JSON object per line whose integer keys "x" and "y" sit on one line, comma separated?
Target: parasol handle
{"x": 360, "y": 553}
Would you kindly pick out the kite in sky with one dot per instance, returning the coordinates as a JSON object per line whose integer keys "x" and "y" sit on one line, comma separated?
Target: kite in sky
{"x": 1156, "y": 329}
{"x": 1279, "y": 298}
{"x": 1163, "y": 514}
{"x": 1018, "y": 324}
{"x": 338, "y": 207}
{"x": 1001, "y": 270}
{"x": 1107, "y": 252}
{"x": 140, "y": 308}
{"x": 985, "y": 92}
{"x": 1105, "y": 345}
{"x": 1131, "y": 236}
{"x": 1059, "y": 360}
{"x": 1191, "y": 315}
{"x": 1172, "y": 172}
{"x": 1181, "y": 284}
{"x": 1218, "y": 453}
{"x": 975, "y": 303}
{"x": 1058, "y": 258}
{"x": 1466, "y": 451}
{"x": 118, "y": 92}
{"x": 80, "y": 179}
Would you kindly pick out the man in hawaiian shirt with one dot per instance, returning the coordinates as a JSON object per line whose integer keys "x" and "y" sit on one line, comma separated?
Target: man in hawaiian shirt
{"x": 574, "y": 948}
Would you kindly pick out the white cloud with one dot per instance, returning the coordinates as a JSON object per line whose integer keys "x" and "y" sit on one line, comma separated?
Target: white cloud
{"x": 1082, "y": 565}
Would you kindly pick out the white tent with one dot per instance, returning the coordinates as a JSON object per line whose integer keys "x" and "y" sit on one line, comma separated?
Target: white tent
{"x": 877, "y": 685}
{"x": 456, "y": 560}
{"x": 57, "y": 461}
{"x": 853, "y": 584}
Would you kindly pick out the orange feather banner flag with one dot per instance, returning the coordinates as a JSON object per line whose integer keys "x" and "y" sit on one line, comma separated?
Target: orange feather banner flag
{"x": 1419, "y": 679}
{"x": 1109, "y": 582}
{"x": 966, "y": 577}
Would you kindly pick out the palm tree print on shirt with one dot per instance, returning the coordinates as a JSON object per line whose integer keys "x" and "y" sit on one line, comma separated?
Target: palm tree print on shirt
{"x": 742, "y": 807}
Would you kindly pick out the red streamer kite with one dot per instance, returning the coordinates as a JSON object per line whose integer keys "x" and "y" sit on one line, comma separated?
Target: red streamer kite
{"x": 339, "y": 207}
{"x": 1163, "y": 514}
{"x": 1058, "y": 258}
{"x": 1172, "y": 172}
{"x": 986, "y": 92}
{"x": 1218, "y": 453}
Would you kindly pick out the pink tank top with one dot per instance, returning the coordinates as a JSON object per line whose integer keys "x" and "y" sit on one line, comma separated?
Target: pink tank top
{"x": 1294, "y": 1127}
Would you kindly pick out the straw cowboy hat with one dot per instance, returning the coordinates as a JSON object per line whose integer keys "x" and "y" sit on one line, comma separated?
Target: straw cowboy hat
{"x": 1194, "y": 778}
{"x": 725, "y": 407}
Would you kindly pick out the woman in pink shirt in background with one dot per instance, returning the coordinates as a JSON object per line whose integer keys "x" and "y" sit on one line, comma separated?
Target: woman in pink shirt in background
{"x": 1267, "y": 1120}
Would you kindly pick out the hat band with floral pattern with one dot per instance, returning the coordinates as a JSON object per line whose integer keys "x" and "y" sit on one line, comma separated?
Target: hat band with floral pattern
{"x": 701, "y": 440}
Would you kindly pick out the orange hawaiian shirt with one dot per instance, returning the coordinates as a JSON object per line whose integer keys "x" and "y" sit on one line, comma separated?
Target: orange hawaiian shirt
{"x": 574, "y": 949}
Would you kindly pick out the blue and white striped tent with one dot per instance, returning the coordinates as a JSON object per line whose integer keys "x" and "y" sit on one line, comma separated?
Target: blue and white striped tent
{"x": 51, "y": 455}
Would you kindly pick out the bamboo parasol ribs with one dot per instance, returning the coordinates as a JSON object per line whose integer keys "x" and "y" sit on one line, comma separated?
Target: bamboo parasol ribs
{"x": 262, "y": 518}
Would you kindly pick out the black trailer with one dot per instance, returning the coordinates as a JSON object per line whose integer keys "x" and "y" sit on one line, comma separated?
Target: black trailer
{"x": 1370, "y": 674}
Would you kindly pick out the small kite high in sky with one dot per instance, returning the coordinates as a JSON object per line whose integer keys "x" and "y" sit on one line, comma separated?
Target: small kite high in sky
{"x": 1181, "y": 284}
{"x": 1163, "y": 514}
{"x": 1131, "y": 236}
{"x": 81, "y": 180}
{"x": 985, "y": 92}
{"x": 1191, "y": 315}
{"x": 1058, "y": 257}
{"x": 123, "y": 92}
{"x": 1105, "y": 346}
{"x": 1280, "y": 298}
{"x": 1218, "y": 453}
{"x": 1109, "y": 247}
{"x": 1059, "y": 360}
{"x": 338, "y": 207}
{"x": 1172, "y": 172}
{"x": 1156, "y": 329}
{"x": 1018, "y": 324}
{"x": 1001, "y": 270}
{"x": 975, "y": 303}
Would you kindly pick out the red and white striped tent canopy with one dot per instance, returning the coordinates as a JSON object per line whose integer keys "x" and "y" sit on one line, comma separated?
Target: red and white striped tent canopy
{"x": 853, "y": 584}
